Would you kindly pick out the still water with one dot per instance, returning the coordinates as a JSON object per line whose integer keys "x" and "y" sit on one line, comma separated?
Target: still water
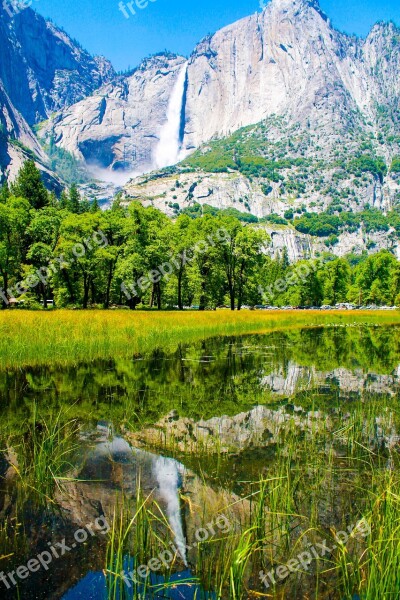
{"x": 194, "y": 430}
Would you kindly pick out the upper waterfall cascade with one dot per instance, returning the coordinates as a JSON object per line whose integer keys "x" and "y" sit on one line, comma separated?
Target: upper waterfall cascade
{"x": 168, "y": 149}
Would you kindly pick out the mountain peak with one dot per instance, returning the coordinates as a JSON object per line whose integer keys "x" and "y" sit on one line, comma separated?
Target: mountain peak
{"x": 297, "y": 5}
{"x": 294, "y": 4}
{"x": 52, "y": 69}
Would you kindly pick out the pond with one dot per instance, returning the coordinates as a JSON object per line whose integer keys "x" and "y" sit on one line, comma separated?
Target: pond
{"x": 204, "y": 472}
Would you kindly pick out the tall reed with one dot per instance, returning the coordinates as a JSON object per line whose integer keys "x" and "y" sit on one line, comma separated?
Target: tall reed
{"x": 45, "y": 453}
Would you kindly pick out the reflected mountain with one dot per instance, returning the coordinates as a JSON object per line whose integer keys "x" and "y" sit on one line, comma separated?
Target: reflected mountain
{"x": 197, "y": 427}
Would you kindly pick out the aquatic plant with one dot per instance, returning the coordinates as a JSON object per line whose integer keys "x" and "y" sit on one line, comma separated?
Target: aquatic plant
{"x": 140, "y": 531}
{"x": 45, "y": 453}
{"x": 69, "y": 337}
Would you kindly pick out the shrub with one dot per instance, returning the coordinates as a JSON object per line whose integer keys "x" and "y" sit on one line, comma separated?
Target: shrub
{"x": 395, "y": 166}
{"x": 368, "y": 164}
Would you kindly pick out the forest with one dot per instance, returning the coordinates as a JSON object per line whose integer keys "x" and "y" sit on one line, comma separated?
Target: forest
{"x": 68, "y": 253}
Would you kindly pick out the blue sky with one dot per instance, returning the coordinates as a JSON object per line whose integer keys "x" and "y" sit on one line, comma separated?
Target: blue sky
{"x": 177, "y": 26}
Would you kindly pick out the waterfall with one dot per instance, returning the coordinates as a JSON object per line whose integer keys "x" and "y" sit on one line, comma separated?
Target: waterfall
{"x": 169, "y": 146}
{"x": 167, "y": 473}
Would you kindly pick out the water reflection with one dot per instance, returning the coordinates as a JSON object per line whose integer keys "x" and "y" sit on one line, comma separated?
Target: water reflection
{"x": 93, "y": 587}
{"x": 235, "y": 399}
{"x": 112, "y": 462}
{"x": 218, "y": 376}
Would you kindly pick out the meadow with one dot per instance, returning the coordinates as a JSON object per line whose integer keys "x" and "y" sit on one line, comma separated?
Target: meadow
{"x": 68, "y": 337}
{"x": 287, "y": 423}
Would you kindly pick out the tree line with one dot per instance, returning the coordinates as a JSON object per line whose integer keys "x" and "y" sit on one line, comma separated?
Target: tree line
{"x": 69, "y": 251}
{"x": 360, "y": 279}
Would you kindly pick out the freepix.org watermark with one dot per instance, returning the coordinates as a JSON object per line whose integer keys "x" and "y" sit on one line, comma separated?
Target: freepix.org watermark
{"x": 56, "y": 550}
{"x": 167, "y": 269}
{"x": 166, "y": 558}
{"x": 299, "y": 275}
{"x": 316, "y": 551}
{"x": 129, "y": 9}
{"x": 14, "y": 7}
{"x": 43, "y": 274}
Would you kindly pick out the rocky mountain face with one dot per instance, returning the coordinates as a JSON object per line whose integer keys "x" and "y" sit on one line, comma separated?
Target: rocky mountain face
{"x": 42, "y": 70}
{"x": 276, "y": 112}
{"x": 286, "y": 61}
{"x": 17, "y": 141}
{"x": 299, "y": 117}
{"x": 302, "y": 91}
{"x": 117, "y": 127}
{"x": 300, "y": 246}
{"x": 172, "y": 193}
{"x": 289, "y": 61}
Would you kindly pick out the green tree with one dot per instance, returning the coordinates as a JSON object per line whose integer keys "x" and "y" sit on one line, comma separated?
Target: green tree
{"x": 335, "y": 281}
{"x": 45, "y": 226}
{"x": 180, "y": 236}
{"x": 39, "y": 257}
{"x": 113, "y": 228}
{"x": 143, "y": 252}
{"x": 373, "y": 280}
{"x": 94, "y": 207}
{"x": 81, "y": 273}
{"x": 29, "y": 185}
{"x": 14, "y": 219}
{"x": 4, "y": 193}
{"x": 74, "y": 200}
{"x": 395, "y": 284}
{"x": 206, "y": 270}
{"x": 303, "y": 285}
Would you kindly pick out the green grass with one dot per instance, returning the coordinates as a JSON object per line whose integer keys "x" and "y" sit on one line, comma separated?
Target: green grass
{"x": 316, "y": 484}
{"x": 318, "y": 477}
{"x": 44, "y": 453}
{"x": 70, "y": 337}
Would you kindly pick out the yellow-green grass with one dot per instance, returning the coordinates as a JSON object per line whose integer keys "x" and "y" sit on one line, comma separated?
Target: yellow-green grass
{"x": 68, "y": 337}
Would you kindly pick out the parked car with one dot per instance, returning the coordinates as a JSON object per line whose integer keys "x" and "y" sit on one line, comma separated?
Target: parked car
{"x": 345, "y": 306}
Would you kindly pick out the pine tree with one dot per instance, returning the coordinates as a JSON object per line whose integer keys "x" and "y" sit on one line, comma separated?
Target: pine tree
{"x": 64, "y": 200}
{"x": 85, "y": 206}
{"x": 53, "y": 200}
{"x": 94, "y": 206}
{"x": 29, "y": 185}
{"x": 285, "y": 262}
{"x": 117, "y": 201}
{"x": 74, "y": 200}
{"x": 4, "y": 193}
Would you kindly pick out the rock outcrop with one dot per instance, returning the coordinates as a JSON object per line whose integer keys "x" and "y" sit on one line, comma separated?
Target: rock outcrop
{"x": 287, "y": 61}
{"x": 302, "y": 92}
{"x": 42, "y": 68}
{"x": 116, "y": 127}
{"x": 17, "y": 141}
{"x": 321, "y": 96}
{"x": 283, "y": 61}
